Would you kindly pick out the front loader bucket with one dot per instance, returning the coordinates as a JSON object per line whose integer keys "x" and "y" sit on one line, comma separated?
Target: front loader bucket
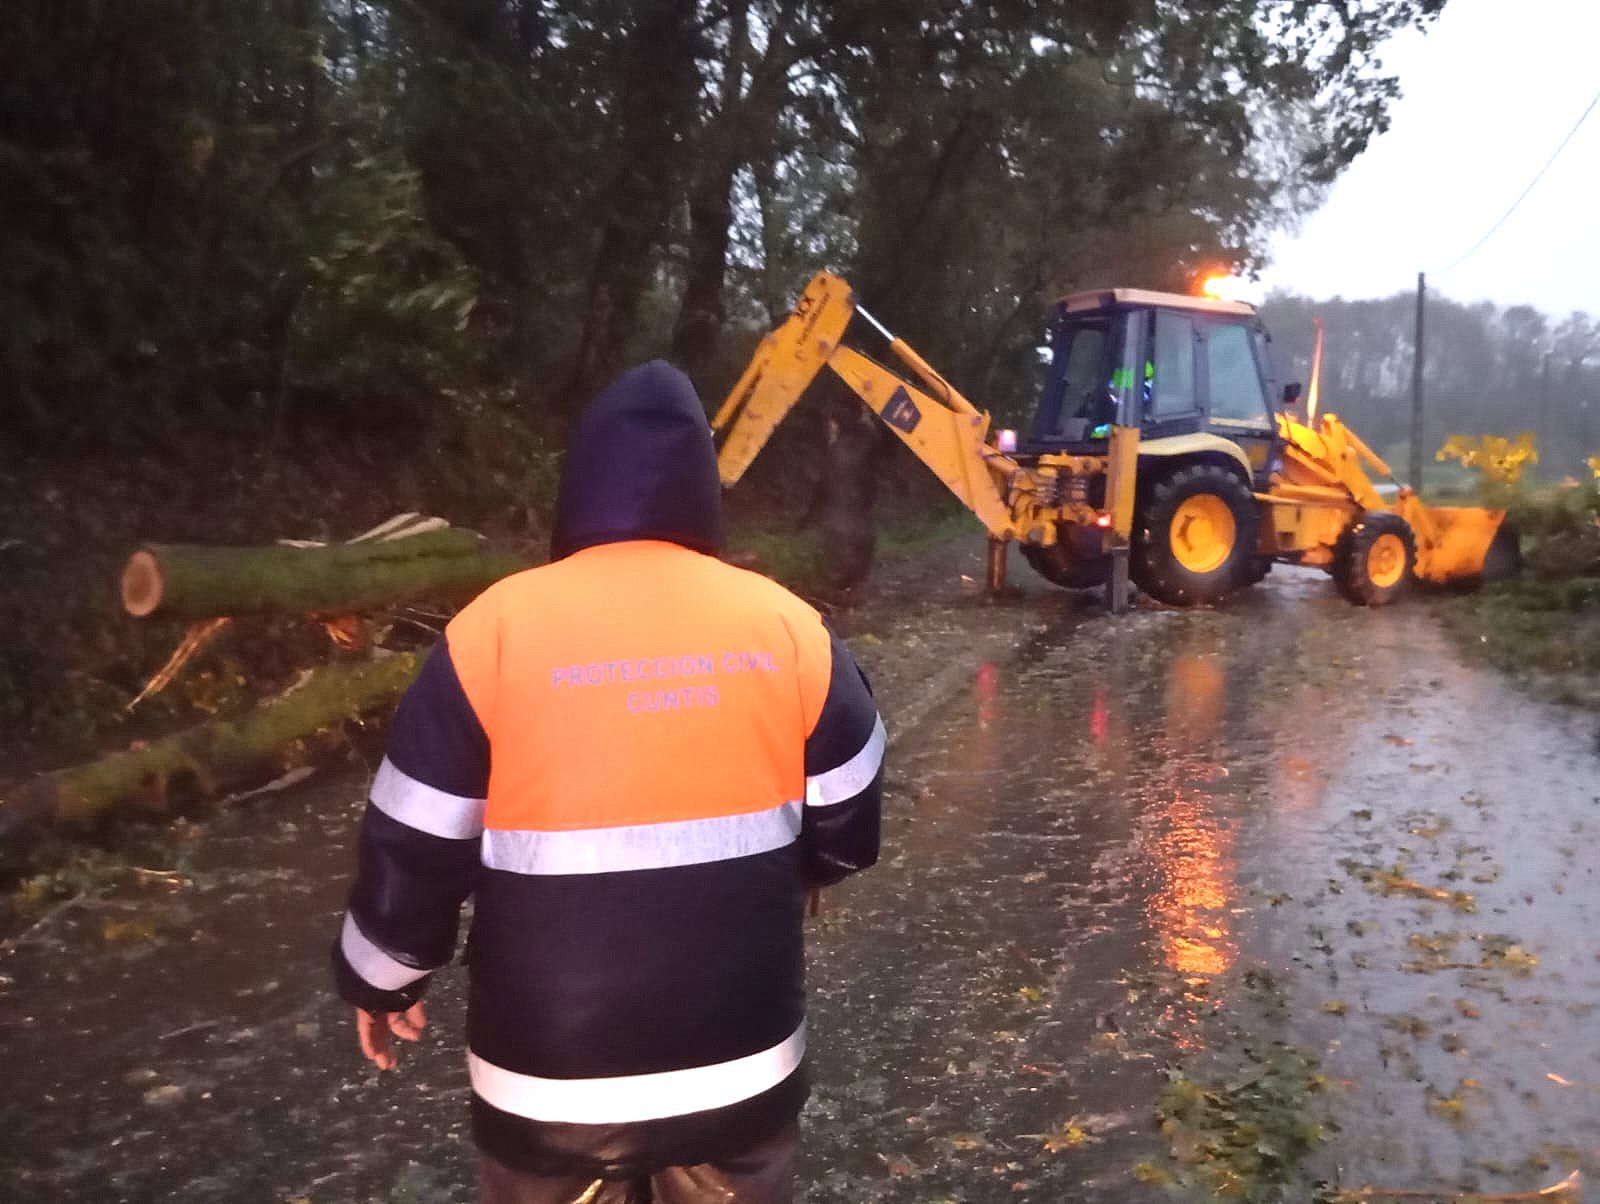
{"x": 787, "y": 361}
{"x": 1454, "y": 544}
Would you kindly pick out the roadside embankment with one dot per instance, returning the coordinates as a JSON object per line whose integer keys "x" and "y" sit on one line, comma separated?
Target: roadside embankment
{"x": 1544, "y": 627}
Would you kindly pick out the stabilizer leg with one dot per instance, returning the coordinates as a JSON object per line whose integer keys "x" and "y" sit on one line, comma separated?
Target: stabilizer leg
{"x": 996, "y": 577}
{"x": 1117, "y": 589}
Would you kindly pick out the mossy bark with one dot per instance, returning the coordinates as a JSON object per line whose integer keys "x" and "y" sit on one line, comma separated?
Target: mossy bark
{"x": 215, "y": 756}
{"x": 192, "y": 582}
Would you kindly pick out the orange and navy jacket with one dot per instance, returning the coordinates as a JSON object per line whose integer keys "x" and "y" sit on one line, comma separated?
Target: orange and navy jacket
{"x": 636, "y": 759}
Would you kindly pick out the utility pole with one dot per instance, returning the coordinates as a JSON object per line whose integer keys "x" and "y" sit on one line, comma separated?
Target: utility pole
{"x": 1544, "y": 405}
{"x": 1416, "y": 393}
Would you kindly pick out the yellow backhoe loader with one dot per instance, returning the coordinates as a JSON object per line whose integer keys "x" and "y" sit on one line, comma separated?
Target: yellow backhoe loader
{"x": 1156, "y": 453}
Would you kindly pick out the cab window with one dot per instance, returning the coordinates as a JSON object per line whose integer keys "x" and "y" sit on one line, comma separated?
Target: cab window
{"x": 1077, "y": 379}
{"x": 1170, "y": 371}
{"x": 1233, "y": 381}
{"x": 1084, "y": 378}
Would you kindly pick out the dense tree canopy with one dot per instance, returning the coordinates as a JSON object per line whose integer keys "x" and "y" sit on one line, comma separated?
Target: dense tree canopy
{"x": 241, "y": 214}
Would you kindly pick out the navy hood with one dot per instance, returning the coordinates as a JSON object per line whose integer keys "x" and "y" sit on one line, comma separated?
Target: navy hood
{"x": 641, "y": 465}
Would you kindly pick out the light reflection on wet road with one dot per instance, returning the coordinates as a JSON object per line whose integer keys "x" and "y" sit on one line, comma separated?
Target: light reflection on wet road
{"x": 1105, "y": 836}
{"x": 1116, "y": 838}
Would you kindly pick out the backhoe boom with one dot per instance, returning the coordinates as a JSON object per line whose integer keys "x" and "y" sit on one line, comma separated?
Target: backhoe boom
{"x": 944, "y": 430}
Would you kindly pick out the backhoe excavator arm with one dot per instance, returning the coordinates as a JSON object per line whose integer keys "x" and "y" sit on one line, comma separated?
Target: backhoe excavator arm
{"x": 941, "y": 427}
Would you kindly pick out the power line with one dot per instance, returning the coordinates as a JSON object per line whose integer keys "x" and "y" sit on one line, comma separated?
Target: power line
{"x": 1531, "y": 183}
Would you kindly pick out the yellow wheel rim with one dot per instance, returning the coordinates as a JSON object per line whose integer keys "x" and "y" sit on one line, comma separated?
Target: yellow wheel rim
{"x": 1203, "y": 533}
{"x": 1386, "y": 560}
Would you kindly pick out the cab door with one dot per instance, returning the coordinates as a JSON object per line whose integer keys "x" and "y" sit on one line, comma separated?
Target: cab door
{"x": 1171, "y": 400}
{"x": 1232, "y": 384}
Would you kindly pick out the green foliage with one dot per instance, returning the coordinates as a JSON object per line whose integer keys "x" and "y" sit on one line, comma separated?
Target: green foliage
{"x": 1550, "y": 512}
{"x": 1561, "y": 535}
{"x": 796, "y": 559}
{"x": 342, "y": 213}
{"x": 1240, "y": 1139}
{"x": 208, "y": 213}
{"x": 1545, "y": 625}
{"x": 83, "y": 873}
{"x": 387, "y": 303}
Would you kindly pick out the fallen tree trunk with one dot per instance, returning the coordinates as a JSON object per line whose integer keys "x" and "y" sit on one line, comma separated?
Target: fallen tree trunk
{"x": 214, "y": 756}
{"x": 193, "y": 582}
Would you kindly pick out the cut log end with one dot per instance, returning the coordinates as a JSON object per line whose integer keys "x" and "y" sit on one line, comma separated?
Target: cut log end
{"x": 142, "y": 585}
{"x": 193, "y": 582}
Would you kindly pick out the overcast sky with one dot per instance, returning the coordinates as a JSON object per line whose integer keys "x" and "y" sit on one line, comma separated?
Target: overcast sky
{"x": 1489, "y": 92}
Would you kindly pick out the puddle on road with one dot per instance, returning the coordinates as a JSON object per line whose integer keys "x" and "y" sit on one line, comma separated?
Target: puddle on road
{"x": 182, "y": 1044}
{"x": 1162, "y": 842}
{"x": 1140, "y": 845}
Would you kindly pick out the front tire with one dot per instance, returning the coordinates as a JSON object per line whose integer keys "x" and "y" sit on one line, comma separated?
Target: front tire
{"x": 1376, "y": 559}
{"x": 1196, "y": 535}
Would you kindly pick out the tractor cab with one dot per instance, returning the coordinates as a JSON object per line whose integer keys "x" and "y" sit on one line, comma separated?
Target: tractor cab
{"x": 1171, "y": 365}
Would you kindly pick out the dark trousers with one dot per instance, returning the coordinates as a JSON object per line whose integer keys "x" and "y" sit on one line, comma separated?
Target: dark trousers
{"x": 762, "y": 1175}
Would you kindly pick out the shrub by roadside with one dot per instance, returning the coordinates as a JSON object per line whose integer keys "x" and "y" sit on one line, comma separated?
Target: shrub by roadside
{"x": 1544, "y": 627}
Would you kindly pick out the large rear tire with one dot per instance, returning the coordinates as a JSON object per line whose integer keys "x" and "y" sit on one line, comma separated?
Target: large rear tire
{"x": 1256, "y": 570}
{"x": 1058, "y": 566}
{"x": 1376, "y": 559}
{"x": 1196, "y": 535}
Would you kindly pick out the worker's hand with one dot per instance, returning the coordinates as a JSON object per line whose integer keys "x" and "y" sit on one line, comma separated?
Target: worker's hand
{"x": 373, "y": 1028}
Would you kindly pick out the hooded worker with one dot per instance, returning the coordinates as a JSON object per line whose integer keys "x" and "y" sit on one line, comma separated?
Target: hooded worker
{"x": 638, "y": 759}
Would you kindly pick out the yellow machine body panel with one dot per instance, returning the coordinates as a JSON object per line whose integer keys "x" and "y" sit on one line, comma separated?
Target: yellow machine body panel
{"x": 1194, "y": 445}
{"x": 951, "y": 437}
{"x": 952, "y": 442}
{"x": 785, "y": 363}
{"x": 1452, "y": 541}
{"x": 1307, "y": 530}
{"x": 1122, "y": 479}
{"x": 1331, "y": 456}
{"x": 1324, "y": 487}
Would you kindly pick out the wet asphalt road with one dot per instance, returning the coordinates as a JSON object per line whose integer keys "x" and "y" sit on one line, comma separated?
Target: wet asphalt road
{"x": 1118, "y": 850}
